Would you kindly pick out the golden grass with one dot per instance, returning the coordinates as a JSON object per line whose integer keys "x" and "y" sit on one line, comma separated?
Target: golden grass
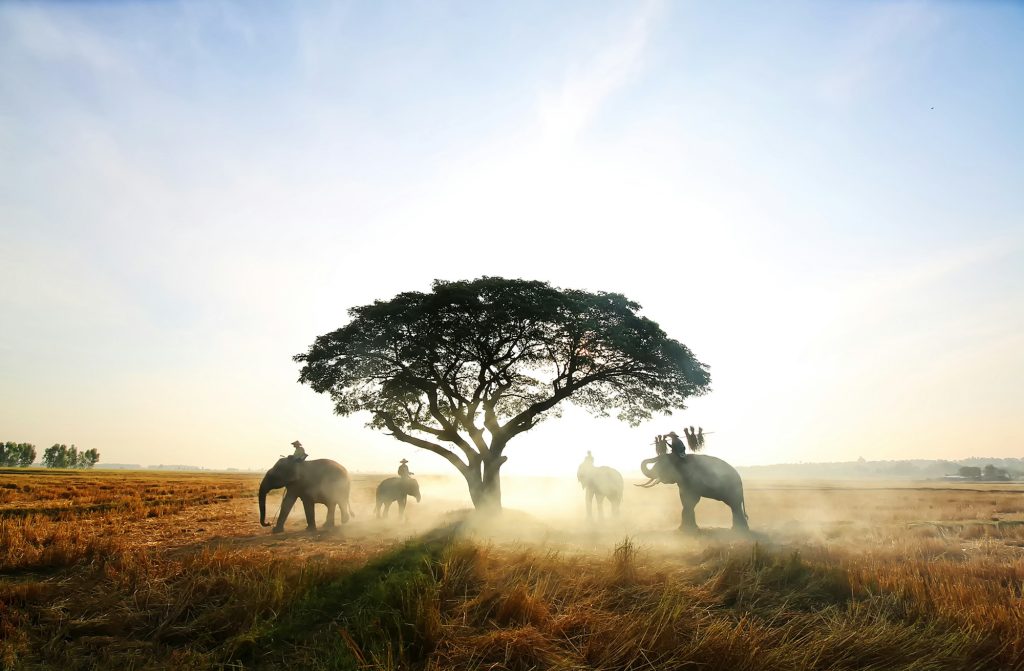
{"x": 144, "y": 570}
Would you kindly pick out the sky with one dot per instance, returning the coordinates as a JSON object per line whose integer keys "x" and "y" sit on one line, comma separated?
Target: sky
{"x": 823, "y": 200}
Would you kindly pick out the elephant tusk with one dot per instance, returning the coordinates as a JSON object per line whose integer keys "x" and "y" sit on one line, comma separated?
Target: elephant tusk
{"x": 650, "y": 483}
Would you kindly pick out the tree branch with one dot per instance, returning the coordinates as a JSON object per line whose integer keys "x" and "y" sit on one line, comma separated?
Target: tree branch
{"x": 397, "y": 432}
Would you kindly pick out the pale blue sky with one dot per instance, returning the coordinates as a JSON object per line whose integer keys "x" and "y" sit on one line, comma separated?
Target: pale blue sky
{"x": 823, "y": 200}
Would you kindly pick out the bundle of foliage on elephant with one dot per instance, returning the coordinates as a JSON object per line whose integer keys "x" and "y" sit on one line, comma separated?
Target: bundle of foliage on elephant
{"x": 462, "y": 370}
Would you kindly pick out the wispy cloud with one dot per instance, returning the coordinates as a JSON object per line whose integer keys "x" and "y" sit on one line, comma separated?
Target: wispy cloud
{"x": 868, "y": 53}
{"x": 56, "y": 38}
{"x": 592, "y": 80}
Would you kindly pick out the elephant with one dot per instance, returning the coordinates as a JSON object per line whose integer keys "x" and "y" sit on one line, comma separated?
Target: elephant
{"x": 395, "y": 489}
{"x": 602, "y": 482}
{"x": 318, "y": 481}
{"x": 697, "y": 476}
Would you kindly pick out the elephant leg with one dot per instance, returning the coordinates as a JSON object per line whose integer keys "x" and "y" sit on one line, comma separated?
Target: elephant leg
{"x": 739, "y": 518}
{"x": 615, "y": 506}
{"x": 343, "y": 510}
{"x": 689, "y": 517}
{"x": 590, "y": 503}
{"x": 310, "y": 509}
{"x": 402, "y": 500}
{"x": 600, "y": 507}
{"x": 330, "y": 514}
{"x": 286, "y": 507}
{"x": 376, "y": 508}
{"x": 387, "y": 508}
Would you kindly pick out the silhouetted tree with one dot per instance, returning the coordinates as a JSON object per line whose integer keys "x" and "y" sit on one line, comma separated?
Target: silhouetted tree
{"x": 62, "y": 456}
{"x": 27, "y": 454}
{"x": 464, "y": 369}
{"x": 969, "y": 472}
{"x": 87, "y": 458}
{"x": 17, "y": 454}
{"x": 991, "y": 472}
{"x": 56, "y": 456}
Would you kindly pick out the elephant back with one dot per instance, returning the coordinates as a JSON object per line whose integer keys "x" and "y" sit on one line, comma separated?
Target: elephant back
{"x": 329, "y": 465}
{"x": 706, "y": 472}
{"x": 389, "y": 484}
{"x": 331, "y": 469}
{"x": 609, "y": 476}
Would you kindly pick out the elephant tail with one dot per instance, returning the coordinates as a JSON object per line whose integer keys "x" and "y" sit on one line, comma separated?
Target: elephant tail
{"x": 743, "y": 507}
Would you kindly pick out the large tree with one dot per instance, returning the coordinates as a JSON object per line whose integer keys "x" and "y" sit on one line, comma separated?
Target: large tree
{"x": 464, "y": 369}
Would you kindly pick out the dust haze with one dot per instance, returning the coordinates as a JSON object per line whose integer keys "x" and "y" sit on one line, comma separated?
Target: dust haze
{"x": 550, "y": 513}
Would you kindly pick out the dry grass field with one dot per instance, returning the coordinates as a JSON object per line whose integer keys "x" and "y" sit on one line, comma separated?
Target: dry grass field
{"x": 162, "y": 570}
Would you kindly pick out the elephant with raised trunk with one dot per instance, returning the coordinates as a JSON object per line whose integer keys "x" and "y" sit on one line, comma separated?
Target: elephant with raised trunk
{"x": 698, "y": 476}
{"x": 602, "y": 482}
{"x": 396, "y": 489}
{"x": 317, "y": 481}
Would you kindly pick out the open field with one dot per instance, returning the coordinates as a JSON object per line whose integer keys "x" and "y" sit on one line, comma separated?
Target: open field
{"x": 167, "y": 570}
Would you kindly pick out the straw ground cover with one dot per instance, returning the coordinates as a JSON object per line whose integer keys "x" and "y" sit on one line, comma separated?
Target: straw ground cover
{"x": 144, "y": 570}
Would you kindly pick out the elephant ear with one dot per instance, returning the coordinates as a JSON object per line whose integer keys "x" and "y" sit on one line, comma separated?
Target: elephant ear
{"x": 668, "y": 469}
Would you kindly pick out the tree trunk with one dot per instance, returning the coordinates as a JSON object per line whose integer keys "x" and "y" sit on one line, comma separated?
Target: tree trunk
{"x": 485, "y": 485}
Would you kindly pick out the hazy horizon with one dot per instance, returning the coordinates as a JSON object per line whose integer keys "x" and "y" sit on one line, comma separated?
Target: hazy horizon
{"x": 822, "y": 200}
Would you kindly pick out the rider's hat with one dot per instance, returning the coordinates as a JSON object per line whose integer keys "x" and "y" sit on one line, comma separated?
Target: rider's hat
{"x": 404, "y": 461}
{"x": 296, "y": 444}
{"x": 673, "y": 434}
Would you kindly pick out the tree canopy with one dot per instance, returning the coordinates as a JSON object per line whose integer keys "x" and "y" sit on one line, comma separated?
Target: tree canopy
{"x": 463, "y": 369}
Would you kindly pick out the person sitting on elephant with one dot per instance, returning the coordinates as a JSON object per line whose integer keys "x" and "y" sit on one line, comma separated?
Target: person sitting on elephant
{"x": 403, "y": 469}
{"x": 677, "y": 445}
{"x": 300, "y": 453}
{"x": 660, "y": 445}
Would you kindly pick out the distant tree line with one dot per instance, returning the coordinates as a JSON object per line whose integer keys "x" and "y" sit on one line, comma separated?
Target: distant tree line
{"x": 990, "y": 472}
{"x": 17, "y": 454}
{"x": 62, "y": 456}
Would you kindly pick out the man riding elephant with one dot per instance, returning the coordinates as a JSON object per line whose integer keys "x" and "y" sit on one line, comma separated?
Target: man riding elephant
{"x": 318, "y": 481}
{"x": 676, "y": 444}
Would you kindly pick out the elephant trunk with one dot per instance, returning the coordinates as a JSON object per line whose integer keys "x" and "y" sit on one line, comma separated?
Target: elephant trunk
{"x": 264, "y": 488}
{"x": 645, "y": 468}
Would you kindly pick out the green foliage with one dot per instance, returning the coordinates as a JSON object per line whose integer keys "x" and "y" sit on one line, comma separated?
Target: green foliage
{"x": 17, "y": 454}
{"x": 497, "y": 354}
{"x": 62, "y": 456}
